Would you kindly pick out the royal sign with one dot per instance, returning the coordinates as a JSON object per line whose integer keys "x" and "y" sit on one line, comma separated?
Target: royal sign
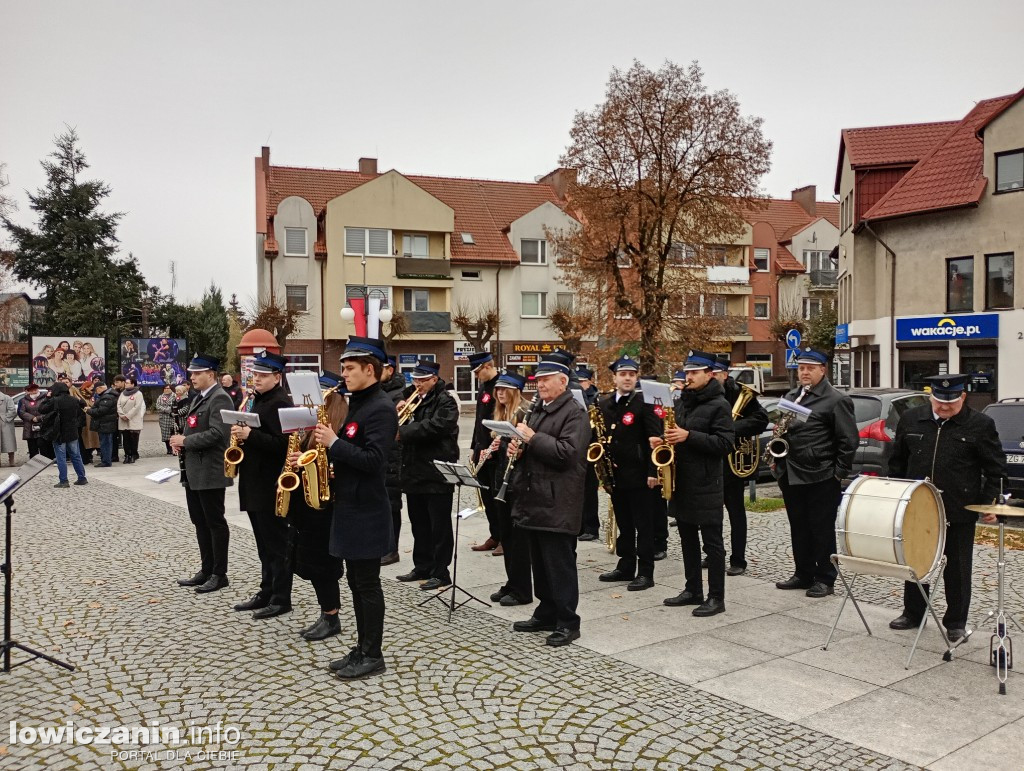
{"x": 925, "y": 328}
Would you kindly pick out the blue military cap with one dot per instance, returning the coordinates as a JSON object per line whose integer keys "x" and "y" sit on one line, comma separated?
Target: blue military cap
{"x": 268, "y": 363}
{"x": 202, "y": 361}
{"x": 811, "y": 356}
{"x": 564, "y": 356}
{"x": 479, "y": 358}
{"x": 392, "y": 362}
{"x": 624, "y": 364}
{"x": 552, "y": 365}
{"x": 722, "y": 362}
{"x": 426, "y": 368}
{"x": 330, "y": 379}
{"x": 364, "y": 346}
{"x": 679, "y": 375}
{"x": 582, "y": 373}
{"x": 699, "y": 360}
{"x": 947, "y": 388}
{"x": 508, "y": 380}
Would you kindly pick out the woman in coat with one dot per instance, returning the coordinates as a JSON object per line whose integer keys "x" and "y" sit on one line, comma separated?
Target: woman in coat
{"x": 165, "y": 406}
{"x": 131, "y": 408}
{"x": 90, "y": 439}
{"x": 32, "y": 421}
{"x": 8, "y": 437}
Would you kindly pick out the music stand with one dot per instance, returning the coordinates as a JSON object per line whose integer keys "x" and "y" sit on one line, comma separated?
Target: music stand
{"x": 7, "y": 489}
{"x": 457, "y": 474}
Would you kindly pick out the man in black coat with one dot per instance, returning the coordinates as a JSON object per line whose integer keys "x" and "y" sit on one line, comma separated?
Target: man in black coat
{"x": 265, "y": 450}
{"x": 63, "y": 418}
{"x": 547, "y": 499}
{"x": 751, "y": 421}
{"x": 104, "y": 420}
{"x": 631, "y": 424}
{"x": 591, "y": 519}
{"x": 393, "y": 384}
{"x": 820, "y": 455}
{"x": 486, "y": 374}
{"x": 431, "y": 434}
{"x": 958, "y": 449}
{"x": 232, "y": 389}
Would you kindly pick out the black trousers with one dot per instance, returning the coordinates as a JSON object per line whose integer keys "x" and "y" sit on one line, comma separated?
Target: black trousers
{"x": 271, "y": 532}
{"x": 130, "y": 440}
{"x": 660, "y": 521}
{"x": 812, "y": 510}
{"x": 328, "y": 593}
{"x": 516, "y": 544}
{"x": 591, "y": 520}
{"x": 735, "y": 492}
{"x": 367, "y": 604}
{"x": 691, "y": 536}
{"x": 395, "y": 498}
{"x": 956, "y": 576}
{"x": 430, "y": 515}
{"x": 206, "y": 510}
{"x": 634, "y": 514}
{"x": 33, "y": 447}
{"x": 555, "y": 580}
{"x": 493, "y": 517}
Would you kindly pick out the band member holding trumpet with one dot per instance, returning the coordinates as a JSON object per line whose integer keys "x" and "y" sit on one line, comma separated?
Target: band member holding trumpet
{"x": 430, "y": 433}
{"x": 361, "y": 526}
{"x": 631, "y": 424}
{"x": 749, "y": 420}
{"x": 702, "y": 438}
{"x": 201, "y": 445}
{"x": 264, "y": 451}
{"x": 810, "y": 463}
{"x": 486, "y": 374}
{"x": 591, "y": 519}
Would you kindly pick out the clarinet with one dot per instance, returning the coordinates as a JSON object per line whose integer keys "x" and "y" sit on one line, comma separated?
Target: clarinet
{"x": 512, "y": 461}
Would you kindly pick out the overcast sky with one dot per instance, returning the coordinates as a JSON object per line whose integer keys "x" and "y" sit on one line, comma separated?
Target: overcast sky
{"x": 174, "y": 100}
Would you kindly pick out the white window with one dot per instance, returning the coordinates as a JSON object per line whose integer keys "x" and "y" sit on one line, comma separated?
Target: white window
{"x": 295, "y": 242}
{"x": 817, "y": 260}
{"x": 714, "y": 305}
{"x": 467, "y": 238}
{"x": 533, "y": 251}
{"x": 563, "y": 301}
{"x": 812, "y": 307}
{"x": 302, "y": 362}
{"x": 415, "y": 245}
{"x": 372, "y": 242}
{"x": 471, "y": 275}
{"x": 1010, "y": 171}
{"x": 682, "y": 254}
{"x": 762, "y": 258}
{"x": 295, "y": 296}
{"x": 761, "y": 307}
{"x": 716, "y": 255}
{"x": 417, "y": 299}
{"x": 535, "y": 305}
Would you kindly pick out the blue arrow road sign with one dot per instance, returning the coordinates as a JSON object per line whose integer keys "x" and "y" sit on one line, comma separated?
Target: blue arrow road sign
{"x": 793, "y": 338}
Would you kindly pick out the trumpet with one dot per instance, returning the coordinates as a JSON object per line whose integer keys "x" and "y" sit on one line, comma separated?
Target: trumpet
{"x": 405, "y": 414}
{"x": 288, "y": 481}
{"x": 664, "y": 458}
{"x": 744, "y": 458}
{"x": 234, "y": 454}
{"x": 315, "y": 466}
{"x": 778, "y": 446}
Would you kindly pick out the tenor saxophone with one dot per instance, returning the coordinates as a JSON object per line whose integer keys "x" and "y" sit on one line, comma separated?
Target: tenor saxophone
{"x": 664, "y": 458}
{"x": 315, "y": 465}
{"x": 597, "y": 452}
{"x": 234, "y": 454}
{"x": 288, "y": 481}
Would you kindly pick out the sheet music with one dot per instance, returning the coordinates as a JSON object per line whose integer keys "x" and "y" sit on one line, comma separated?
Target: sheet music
{"x": 297, "y": 418}
{"x": 232, "y": 418}
{"x": 503, "y": 429}
{"x": 657, "y": 393}
{"x": 9, "y": 484}
{"x": 163, "y": 475}
{"x": 798, "y": 410}
{"x": 305, "y": 389}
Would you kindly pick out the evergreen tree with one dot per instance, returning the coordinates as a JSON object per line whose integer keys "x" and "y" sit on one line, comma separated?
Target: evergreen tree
{"x": 211, "y": 330}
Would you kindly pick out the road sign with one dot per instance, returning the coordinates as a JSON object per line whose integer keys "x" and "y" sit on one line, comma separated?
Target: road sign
{"x": 793, "y": 339}
{"x": 791, "y": 358}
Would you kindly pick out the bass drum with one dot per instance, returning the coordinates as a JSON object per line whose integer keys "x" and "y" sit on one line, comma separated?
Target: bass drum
{"x": 896, "y": 521}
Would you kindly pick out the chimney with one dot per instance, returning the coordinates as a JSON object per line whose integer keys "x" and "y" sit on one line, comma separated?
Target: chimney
{"x": 807, "y": 198}
{"x": 265, "y": 156}
{"x": 368, "y": 167}
{"x": 560, "y": 180}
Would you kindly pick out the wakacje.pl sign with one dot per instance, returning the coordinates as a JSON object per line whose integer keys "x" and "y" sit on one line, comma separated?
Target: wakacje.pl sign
{"x": 924, "y": 328}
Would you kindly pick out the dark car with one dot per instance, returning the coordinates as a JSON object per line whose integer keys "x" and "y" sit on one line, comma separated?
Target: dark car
{"x": 1008, "y": 415}
{"x": 877, "y": 412}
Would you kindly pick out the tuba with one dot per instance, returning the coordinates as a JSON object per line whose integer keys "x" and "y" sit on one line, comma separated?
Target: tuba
{"x": 745, "y": 456}
{"x": 664, "y": 458}
{"x": 405, "y": 414}
{"x": 778, "y": 445}
{"x": 288, "y": 482}
{"x": 315, "y": 466}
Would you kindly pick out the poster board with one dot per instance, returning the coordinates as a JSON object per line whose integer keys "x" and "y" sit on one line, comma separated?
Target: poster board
{"x": 80, "y": 358}
{"x": 154, "y": 361}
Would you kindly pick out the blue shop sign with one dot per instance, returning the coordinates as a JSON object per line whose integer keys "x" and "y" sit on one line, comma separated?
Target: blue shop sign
{"x": 842, "y": 334}
{"x": 927, "y": 328}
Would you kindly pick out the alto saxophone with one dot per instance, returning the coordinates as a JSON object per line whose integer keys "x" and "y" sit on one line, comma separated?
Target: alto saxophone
{"x": 744, "y": 458}
{"x": 664, "y": 457}
{"x": 597, "y": 452}
{"x": 778, "y": 446}
{"x": 234, "y": 454}
{"x": 288, "y": 481}
{"x": 315, "y": 466}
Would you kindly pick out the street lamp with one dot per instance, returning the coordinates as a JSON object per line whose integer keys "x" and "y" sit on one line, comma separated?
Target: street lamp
{"x": 367, "y": 309}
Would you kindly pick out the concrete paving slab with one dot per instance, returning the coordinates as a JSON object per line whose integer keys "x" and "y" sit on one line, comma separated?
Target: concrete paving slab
{"x": 967, "y": 687}
{"x": 996, "y": 750}
{"x": 775, "y": 633}
{"x": 765, "y": 595}
{"x": 870, "y": 659}
{"x": 693, "y": 658}
{"x": 614, "y": 599}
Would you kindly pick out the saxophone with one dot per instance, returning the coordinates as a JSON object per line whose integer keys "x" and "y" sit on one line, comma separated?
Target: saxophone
{"x": 664, "y": 457}
{"x": 315, "y": 466}
{"x": 597, "y": 452}
{"x": 778, "y": 446}
{"x": 288, "y": 481}
{"x": 744, "y": 457}
{"x": 234, "y": 454}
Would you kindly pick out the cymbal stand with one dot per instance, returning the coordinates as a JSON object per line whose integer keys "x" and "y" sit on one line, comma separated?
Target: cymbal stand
{"x": 1000, "y": 645}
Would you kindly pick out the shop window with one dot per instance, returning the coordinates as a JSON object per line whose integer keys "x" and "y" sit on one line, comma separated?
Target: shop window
{"x": 960, "y": 284}
{"x": 998, "y": 281}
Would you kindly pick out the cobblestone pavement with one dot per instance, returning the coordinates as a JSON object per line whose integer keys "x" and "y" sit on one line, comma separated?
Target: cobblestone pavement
{"x": 95, "y": 586}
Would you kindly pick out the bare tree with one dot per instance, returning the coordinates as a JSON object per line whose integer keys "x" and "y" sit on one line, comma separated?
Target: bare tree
{"x": 280, "y": 321}
{"x": 477, "y": 324}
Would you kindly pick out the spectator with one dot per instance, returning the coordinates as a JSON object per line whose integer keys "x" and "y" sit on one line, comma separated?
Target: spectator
{"x": 179, "y": 410}
{"x": 62, "y": 419}
{"x": 120, "y": 382}
{"x": 89, "y": 440}
{"x": 236, "y": 392}
{"x": 31, "y": 419}
{"x": 8, "y": 438}
{"x": 165, "y": 406}
{"x": 103, "y": 414}
{"x": 131, "y": 408}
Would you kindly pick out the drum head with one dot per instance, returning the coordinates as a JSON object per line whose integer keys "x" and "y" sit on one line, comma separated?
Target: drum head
{"x": 923, "y": 529}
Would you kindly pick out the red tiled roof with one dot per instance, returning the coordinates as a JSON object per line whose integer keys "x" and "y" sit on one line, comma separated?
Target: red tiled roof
{"x": 785, "y": 262}
{"x": 788, "y": 217}
{"x": 902, "y": 145}
{"x": 484, "y": 208}
{"x": 949, "y": 176}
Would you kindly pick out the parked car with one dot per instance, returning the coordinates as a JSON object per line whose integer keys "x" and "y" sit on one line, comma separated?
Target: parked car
{"x": 1008, "y": 415}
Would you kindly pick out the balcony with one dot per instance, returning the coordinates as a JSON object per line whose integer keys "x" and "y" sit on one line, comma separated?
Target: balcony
{"x": 422, "y": 267}
{"x": 732, "y": 327}
{"x": 428, "y": 321}
{"x": 823, "y": 279}
{"x": 728, "y": 274}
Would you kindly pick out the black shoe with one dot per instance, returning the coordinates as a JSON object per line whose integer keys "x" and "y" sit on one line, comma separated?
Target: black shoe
{"x": 905, "y": 622}
{"x": 685, "y": 597}
{"x": 129, "y": 460}
{"x": 327, "y": 626}
{"x": 511, "y": 600}
{"x": 389, "y": 559}
{"x": 363, "y": 667}
{"x": 213, "y": 583}
{"x": 562, "y": 637}
{"x": 255, "y": 602}
{"x": 412, "y": 575}
{"x": 307, "y": 628}
{"x": 615, "y": 575}
{"x": 704, "y": 563}
{"x": 735, "y": 570}
{"x": 198, "y": 579}
{"x": 533, "y": 624}
{"x": 818, "y": 589}
{"x": 793, "y": 582}
{"x": 496, "y": 596}
{"x": 954, "y": 634}
{"x": 640, "y": 583}
{"x": 435, "y": 583}
{"x": 341, "y": 663}
{"x": 82, "y": 481}
{"x": 62, "y": 485}
{"x": 272, "y": 610}
{"x": 660, "y": 555}
{"x": 104, "y": 465}
{"x": 712, "y": 607}
{"x": 587, "y": 537}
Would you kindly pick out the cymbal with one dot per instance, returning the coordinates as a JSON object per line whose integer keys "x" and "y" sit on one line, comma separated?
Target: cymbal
{"x": 999, "y": 509}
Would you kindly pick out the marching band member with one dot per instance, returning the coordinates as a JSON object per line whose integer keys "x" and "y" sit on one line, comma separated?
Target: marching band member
{"x": 591, "y": 519}
{"x": 702, "y": 438}
{"x": 547, "y": 499}
{"x": 631, "y": 424}
{"x": 659, "y": 504}
{"x": 202, "y": 443}
{"x": 393, "y": 384}
{"x": 432, "y": 434}
{"x": 821, "y": 452}
{"x": 486, "y": 374}
{"x": 957, "y": 448}
{"x": 361, "y": 526}
{"x": 265, "y": 449}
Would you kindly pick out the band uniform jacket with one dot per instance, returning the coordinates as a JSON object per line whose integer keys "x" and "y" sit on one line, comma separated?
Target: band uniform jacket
{"x": 547, "y": 479}
{"x": 362, "y": 528}
{"x": 825, "y": 445}
{"x": 265, "y": 452}
{"x": 629, "y": 422}
{"x": 485, "y": 403}
{"x": 206, "y": 438}
{"x": 699, "y": 474}
{"x": 394, "y": 389}
{"x": 432, "y": 434}
{"x": 751, "y": 421}
{"x": 963, "y": 458}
